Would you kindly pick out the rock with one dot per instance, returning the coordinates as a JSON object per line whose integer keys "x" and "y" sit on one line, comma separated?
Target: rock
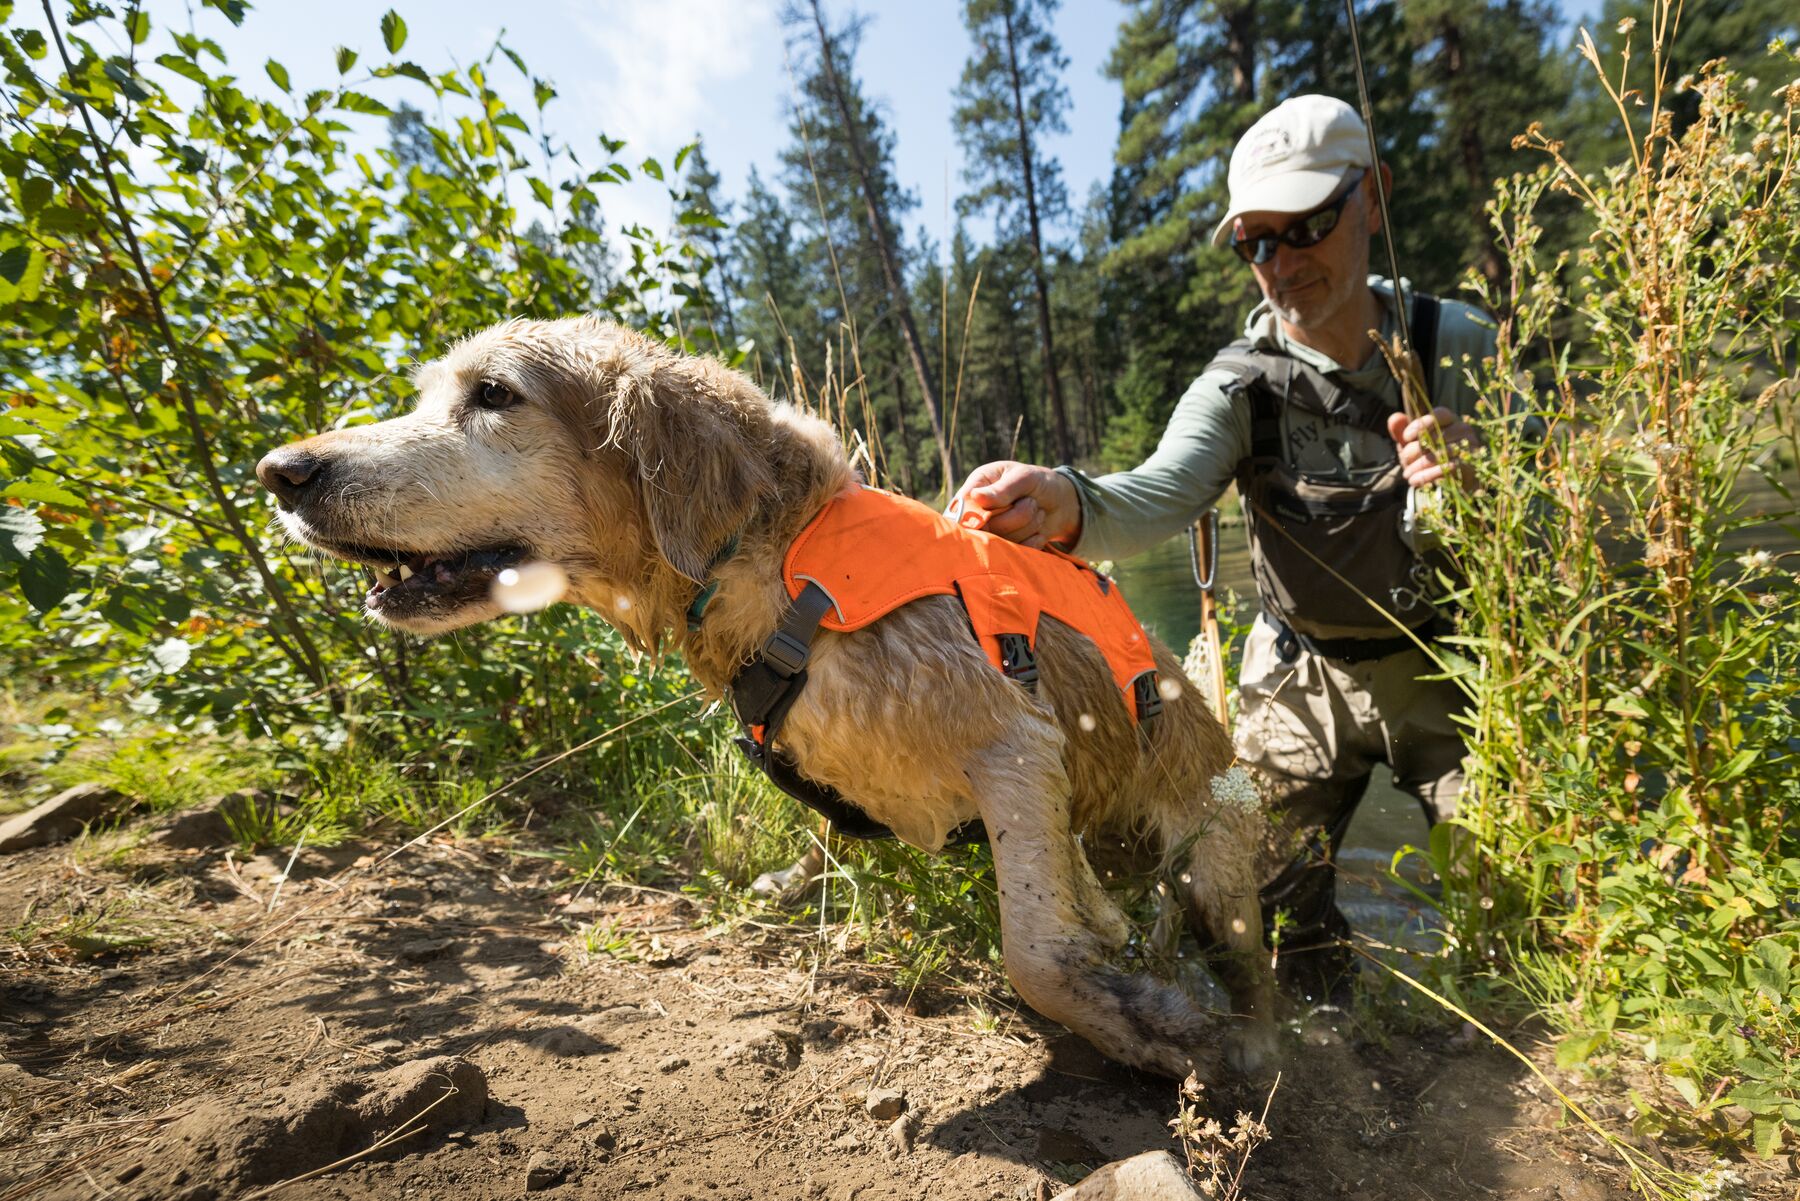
{"x": 673, "y": 1063}
{"x": 884, "y": 1104}
{"x": 1152, "y": 1176}
{"x": 62, "y": 816}
{"x": 767, "y": 1046}
{"x": 543, "y": 1170}
{"x": 901, "y": 1132}
{"x": 847, "y": 1142}
{"x": 568, "y": 1042}
{"x": 422, "y": 949}
{"x": 981, "y": 1084}
{"x": 448, "y": 1091}
{"x": 215, "y": 822}
{"x": 1581, "y": 1189}
{"x": 582, "y": 1120}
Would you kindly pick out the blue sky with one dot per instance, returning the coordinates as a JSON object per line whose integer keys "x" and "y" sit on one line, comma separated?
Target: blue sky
{"x": 658, "y": 72}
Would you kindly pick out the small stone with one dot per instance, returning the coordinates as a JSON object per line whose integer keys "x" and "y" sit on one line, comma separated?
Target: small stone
{"x": 901, "y": 1132}
{"x": 385, "y": 1045}
{"x": 543, "y": 1170}
{"x": 884, "y": 1104}
{"x": 673, "y": 1063}
{"x": 582, "y": 1120}
{"x": 62, "y": 816}
{"x": 847, "y": 1142}
{"x": 983, "y": 1083}
{"x": 422, "y": 949}
{"x": 212, "y": 823}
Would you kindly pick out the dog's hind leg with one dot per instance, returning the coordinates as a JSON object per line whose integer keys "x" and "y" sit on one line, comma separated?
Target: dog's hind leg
{"x": 1058, "y": 926}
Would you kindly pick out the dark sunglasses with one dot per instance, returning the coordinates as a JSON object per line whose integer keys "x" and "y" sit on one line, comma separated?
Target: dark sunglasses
{"x": 1309, "y": 230}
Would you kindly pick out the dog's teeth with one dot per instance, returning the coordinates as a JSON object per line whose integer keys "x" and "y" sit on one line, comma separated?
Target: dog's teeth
{"x": 386, "y": 580}
{"x": 406, "y": 573}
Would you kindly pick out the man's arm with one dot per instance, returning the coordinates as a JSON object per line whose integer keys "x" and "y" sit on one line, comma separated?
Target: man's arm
{"x": 1118, "y": 515}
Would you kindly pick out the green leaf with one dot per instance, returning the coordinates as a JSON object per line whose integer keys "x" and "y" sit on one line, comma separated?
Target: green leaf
{"x": 137, "y": 24}
{"x": 1690, "y": 1092}
{"x": 356, "y": 102}
{"x": 1765, "y": 1136}
{"x": 45, "y": 579}
{"x": 393, "y": 31}
{"x": 542, "y": 92}
{"x": 278, "y": 73}
{"x": 32, "y": 43}
{"x": 541, "y": 190}
{"x": 13, "y": 261}
{"x": 171, "y": 656}
{"x": 21, "y": 532}
{"x": 652, "y": 168}
{"x": 346, "y": 58}
{"x": 44, "y": 492}
{"x": 234, "y": 10}
{"x": 682, "y": 154}
{"x": 187, "y": 68}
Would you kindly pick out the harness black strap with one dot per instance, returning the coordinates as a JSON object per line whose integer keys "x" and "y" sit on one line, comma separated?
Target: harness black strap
{"x": 765, "y": 689}
{"x": 1425, "y": 310}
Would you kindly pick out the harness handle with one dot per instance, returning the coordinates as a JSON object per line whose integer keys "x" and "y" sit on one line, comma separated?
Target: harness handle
{"x": 1210, "y": 536}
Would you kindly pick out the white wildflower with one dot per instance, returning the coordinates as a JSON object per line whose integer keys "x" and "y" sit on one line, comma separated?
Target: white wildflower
{"x": 1757, "y": 561}
{"x": 1235, "y": 788}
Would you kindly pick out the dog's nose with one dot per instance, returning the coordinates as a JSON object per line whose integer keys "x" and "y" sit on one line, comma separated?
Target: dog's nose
{"x": 288, "y": 472}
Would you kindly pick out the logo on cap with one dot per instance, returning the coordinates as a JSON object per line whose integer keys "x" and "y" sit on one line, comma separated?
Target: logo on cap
{"x": 1271, "y": 144}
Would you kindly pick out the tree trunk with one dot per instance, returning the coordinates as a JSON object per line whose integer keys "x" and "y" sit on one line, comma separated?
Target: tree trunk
{"x": 1474, "y": 159}
{"x": 1240, "y": 48}
{"x": 1052, "y": 378}
{"x": 906, "y": 446}
{"x": 884, "y": 247}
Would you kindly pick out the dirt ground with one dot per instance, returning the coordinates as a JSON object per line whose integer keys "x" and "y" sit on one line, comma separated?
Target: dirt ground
{"x": 454, "y": 1023}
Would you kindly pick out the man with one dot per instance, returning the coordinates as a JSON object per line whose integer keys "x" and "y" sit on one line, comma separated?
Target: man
{"x": 1304, "y": 414}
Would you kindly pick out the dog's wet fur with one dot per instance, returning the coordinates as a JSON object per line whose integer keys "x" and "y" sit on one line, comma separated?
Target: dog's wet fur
{"x": 630, "y": 466}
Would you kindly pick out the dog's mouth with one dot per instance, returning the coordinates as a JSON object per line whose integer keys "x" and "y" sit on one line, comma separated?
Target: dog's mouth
{"x": 409, "y": 583}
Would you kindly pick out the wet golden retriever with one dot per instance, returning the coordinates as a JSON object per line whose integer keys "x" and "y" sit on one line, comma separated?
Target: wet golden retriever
{"x": 587, "y": 445}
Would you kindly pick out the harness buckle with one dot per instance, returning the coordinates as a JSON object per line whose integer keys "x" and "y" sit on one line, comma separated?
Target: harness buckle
{"x": 1017, "y": 662}
{"x": 786, "y": 653}
{"x": 1147, "y": 696}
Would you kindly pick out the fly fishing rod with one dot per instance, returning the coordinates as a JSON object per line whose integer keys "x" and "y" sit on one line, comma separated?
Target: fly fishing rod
{"x": 1400, "y": 355}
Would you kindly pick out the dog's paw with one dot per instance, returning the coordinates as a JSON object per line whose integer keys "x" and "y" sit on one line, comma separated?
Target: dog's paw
{"x": 1253, "y": 1051}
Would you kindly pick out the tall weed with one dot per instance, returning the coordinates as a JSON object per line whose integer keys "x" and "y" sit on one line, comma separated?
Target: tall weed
{"x": 1633, "y": 655}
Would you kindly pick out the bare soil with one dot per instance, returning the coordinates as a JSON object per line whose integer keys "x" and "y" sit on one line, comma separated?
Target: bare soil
{"x": 618, "y": 1044}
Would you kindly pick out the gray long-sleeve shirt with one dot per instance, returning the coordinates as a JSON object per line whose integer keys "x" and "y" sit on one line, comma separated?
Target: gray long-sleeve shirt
{"x": 1208, "y": 435}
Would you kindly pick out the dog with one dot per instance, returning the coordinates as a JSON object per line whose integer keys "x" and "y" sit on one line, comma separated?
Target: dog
{"x": 629, "y": 466}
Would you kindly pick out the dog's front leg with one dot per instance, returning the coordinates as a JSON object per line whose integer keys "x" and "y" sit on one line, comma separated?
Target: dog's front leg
{"x": 1058, "y": 926}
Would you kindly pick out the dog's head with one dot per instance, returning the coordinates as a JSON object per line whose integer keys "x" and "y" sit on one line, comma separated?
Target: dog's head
{"x": 575, "y": 442}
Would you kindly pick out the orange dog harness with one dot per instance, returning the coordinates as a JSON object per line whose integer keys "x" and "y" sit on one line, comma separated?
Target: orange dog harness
{"x": 867, "y": 553}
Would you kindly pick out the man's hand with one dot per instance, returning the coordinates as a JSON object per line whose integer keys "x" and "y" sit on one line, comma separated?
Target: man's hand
{"x": 1418, "y": 460}
{"x": 1024, "y": 504}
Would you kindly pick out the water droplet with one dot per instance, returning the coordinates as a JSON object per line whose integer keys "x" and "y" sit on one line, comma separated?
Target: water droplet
{"x": 529, "y": 587}
{"x": 1087, "y": 723}
{"x": 1170, "y": 689}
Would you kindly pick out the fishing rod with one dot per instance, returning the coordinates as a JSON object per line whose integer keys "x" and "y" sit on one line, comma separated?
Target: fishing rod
{"x": 1401, "y": 355}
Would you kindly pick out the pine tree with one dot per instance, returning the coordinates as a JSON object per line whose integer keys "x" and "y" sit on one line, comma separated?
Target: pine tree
{"x": 1009, "y": 97}
{"x": 848, "y": 152}
{"x": 776, "y": 289}
{"x": 713, "y": 217}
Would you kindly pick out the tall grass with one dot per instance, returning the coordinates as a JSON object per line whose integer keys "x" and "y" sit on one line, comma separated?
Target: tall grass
{"x": 1634, "y": 657}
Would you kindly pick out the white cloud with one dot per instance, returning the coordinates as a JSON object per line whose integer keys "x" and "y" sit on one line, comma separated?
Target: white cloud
{"x": 657, "y": 64}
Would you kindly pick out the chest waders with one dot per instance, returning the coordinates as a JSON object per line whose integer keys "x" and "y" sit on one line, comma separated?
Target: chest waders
{"x": 1352, "y": 528}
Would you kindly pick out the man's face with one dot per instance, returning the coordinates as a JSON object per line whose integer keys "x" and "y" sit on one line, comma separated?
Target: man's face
{"x": 1311, "y": 287}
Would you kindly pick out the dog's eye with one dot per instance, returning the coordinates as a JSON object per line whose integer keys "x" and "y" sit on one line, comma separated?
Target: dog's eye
{"x": 491, "y": 394}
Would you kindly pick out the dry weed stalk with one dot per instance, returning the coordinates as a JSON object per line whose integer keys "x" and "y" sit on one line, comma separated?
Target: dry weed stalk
{"x": 1217, "y": 1157}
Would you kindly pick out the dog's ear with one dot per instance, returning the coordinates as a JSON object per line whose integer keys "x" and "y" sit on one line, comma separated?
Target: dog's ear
{"x": 700, "y": 471}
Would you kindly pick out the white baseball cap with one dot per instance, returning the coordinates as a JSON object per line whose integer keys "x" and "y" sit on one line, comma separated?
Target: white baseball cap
{"x": 1293, "y": 159}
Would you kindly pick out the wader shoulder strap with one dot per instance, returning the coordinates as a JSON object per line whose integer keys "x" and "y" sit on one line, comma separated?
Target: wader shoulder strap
{"x": 1425, "y": 311}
